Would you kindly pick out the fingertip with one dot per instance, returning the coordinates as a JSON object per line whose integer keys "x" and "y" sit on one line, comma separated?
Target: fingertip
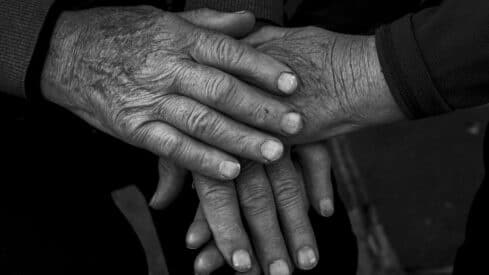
{"x": 197, "y": 236}
{"x": 326, "y": 207}
{"x": 307, "y": 258}
{"x": 272, "y": 150}
{"x": 201, "y": 265}
{"x": 292, "y": 123}
{"x": 241, "y": 260}
{"x": 287, "y": 83}
{"x": 229, "y": 170}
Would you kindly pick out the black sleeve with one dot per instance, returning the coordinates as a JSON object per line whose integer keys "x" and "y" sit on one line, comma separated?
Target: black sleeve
{"x": 21, "y": 22}
{"x": 437, "y": 60}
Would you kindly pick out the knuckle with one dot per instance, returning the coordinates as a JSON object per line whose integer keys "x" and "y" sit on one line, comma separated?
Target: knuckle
{"x": 202, "y": 122}
{"x": 288, "y": 193}
{"x": 256, "y": 200}
{"x": 217, "y": 197}
{"x": 299, "y": 227}
{"x": 261, "y": 114}
{"x": 171, "y": 145}
{"x": 228, "y": 230}
{"x": 222, "y": 90}
{"x": 228, "y": 51}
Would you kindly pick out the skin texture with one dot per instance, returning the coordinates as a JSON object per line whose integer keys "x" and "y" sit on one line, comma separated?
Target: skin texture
{"x": 272, "y": 202}
{"x": 341, "y": 89}
{"x": 155, "y": 80}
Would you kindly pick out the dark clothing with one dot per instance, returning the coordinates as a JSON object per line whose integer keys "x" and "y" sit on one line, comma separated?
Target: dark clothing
{"x": 434, "y": 57}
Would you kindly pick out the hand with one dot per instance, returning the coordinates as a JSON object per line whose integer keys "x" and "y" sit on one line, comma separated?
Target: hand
{"x": 153, "y": 79}
{"x": 265, "y": 197}
{"x": 341, "y": 84}
{"x": 259, "y": 195}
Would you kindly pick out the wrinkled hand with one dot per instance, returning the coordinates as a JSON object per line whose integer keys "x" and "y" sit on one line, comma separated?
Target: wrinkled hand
{"x": 155, "y": 80}
{"x": 273, "y": 202}
{"x": 341, "y": 84}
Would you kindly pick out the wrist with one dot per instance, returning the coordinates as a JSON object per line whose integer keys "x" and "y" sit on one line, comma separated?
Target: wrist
{"x": 366, "y": 90}
{"x": 55, "y": 72}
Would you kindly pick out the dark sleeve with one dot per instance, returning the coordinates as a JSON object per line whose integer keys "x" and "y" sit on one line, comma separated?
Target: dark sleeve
{"x": 437, "y": 60}
{"x": 21, "y": 22}
{"x": 269, "y": 10}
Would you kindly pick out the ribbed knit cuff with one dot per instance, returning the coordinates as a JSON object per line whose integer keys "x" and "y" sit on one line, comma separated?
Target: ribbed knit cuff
{"x": 20, "y": 25}
{"x": 271, "y": 10}
{"x": 405, "y": 71}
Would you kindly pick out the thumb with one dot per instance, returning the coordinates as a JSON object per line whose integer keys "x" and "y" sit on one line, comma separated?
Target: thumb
{"x": 170, "y": 183}
{"x": 236, "y": 24}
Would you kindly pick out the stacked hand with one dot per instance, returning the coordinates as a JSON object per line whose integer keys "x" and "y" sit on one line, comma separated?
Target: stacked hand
{"x": 341, "y": 89}
{"x": 178, "y": 86}
{"x": 272, "y": 199}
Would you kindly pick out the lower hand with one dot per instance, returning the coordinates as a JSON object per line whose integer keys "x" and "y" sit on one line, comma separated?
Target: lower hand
{"x": 274, "y": 201}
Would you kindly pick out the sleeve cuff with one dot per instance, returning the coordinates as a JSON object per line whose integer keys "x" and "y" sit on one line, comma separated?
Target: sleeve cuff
{"x": 405, "y": 71}
{"x": 270, "y": 10}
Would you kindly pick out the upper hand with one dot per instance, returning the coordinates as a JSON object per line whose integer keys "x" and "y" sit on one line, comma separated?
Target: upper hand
{"x": 341, "y": 84}
{"x": 157, "y": 81}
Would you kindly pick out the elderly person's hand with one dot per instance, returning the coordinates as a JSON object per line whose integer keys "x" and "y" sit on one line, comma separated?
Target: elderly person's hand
{"x": 341, "y": 87}
{"x": 156, "y": 80}
{"x": 273, "y": 202}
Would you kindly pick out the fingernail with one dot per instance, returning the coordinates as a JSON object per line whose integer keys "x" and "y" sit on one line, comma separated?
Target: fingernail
{"x": 292, "y": 123}
{"x": 279, "y": 267}
{"x": 326, "y": 206}
{"x": 241, "y": 12}
{"x": 272, "y": 150}
{"x": 287, "y": 82}
{"x": 191, "y": 238}
{"x": 306, "y": 258}
{"x": 229, "y": 169}
{"x": 241, "y": 260}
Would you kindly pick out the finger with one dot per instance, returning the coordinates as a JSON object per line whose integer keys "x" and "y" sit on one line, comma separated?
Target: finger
{"x": 316, "y": 164}
{"x": 235, "y": 24}
{"x": 199, "y": 232}
{"x": 239, "y": 100}
{"x": 166, "y": 141}
{"x": 209, "y": 260}
{"x": 213, "y": 128}
{"x": 293, "y": 212}
{"x": 258, "y": 207}
{"x": 220, "y": 206}
{"x": 223, "y": 52}
{"x": 265, "y": 34}
{"x": 170, "y": 183}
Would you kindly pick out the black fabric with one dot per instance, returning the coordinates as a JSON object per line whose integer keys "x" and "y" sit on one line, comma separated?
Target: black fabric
{"x": 472, "y": 256}
{"x": 20, "y": 25}
{"x": 436, "y": 60}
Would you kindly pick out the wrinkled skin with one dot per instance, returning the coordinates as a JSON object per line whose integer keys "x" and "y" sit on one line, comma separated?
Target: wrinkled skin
{"x": 341, "y": 89}
{"x": 341, "y": 85}
{"x": 155, "y": 80}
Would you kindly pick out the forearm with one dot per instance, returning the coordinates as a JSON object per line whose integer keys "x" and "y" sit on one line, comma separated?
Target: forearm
{"x": 358, "y": 78}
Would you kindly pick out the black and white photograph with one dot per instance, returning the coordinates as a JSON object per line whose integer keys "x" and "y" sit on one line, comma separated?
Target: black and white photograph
{"x": 274, "y": 137}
